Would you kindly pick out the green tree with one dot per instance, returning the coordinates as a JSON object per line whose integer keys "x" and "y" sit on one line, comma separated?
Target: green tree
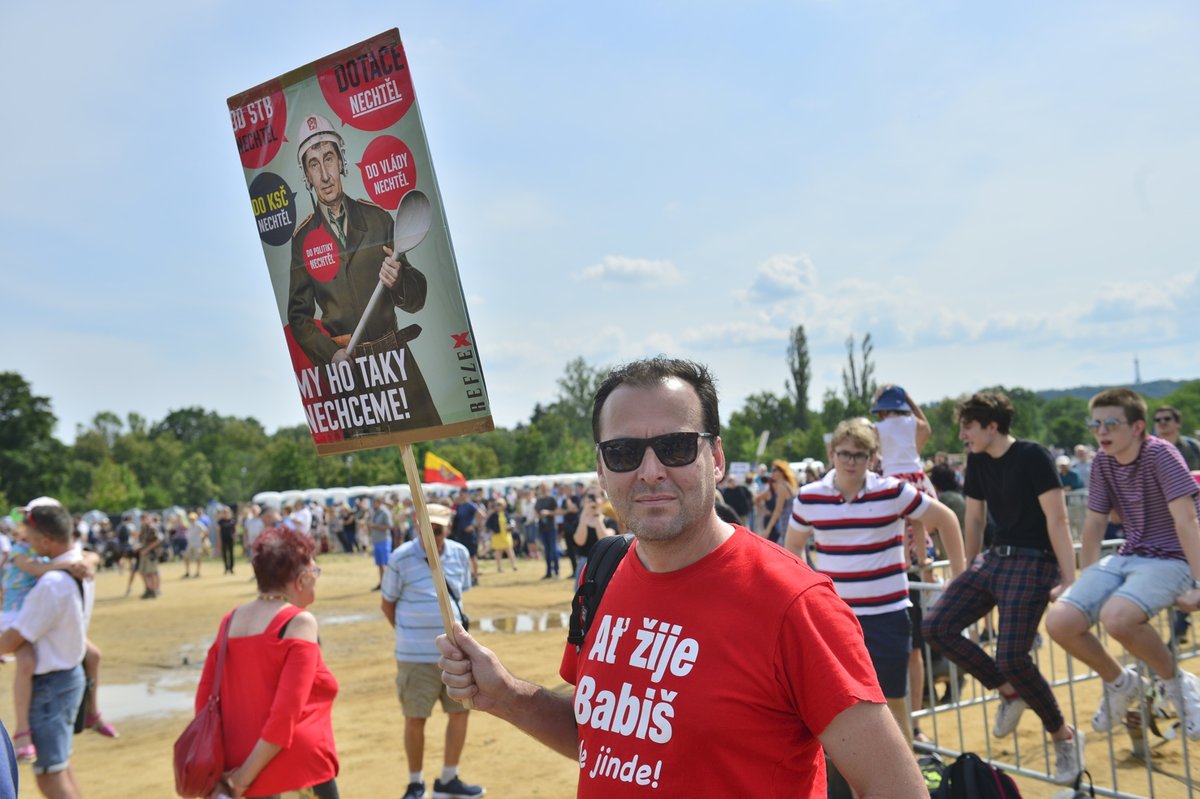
{"x": 474, "y": 460}
{"x": 944, "y": 423}
{"x": 32, "y": 461}
{"x": 192, "y": 483}
{"x": 529, "y": 450}
{"x": 1064, "y": 421}
{"x": 576, "y": 390}
{"x": 833, "y": 409}
{"x": 192, "y": 426}
{"x": 858, "y": 377}
{"x": 114, "y": 488}
{"x": 739, "y": 440}
{"x": 292, "y": 464}
{"x": 766, "y": 411}
{"x": 800, "y": 368}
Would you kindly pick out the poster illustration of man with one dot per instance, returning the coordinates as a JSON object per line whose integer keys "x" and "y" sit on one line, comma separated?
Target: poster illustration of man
{"x": 338, "y": 256}
{"x": 364, "y": 278}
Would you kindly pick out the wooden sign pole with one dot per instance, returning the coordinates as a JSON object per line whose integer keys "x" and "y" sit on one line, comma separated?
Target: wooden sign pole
{"x": 430, "y": 545}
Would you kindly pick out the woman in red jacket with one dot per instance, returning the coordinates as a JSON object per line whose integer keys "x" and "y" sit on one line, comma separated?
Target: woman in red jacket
{"x": 276, "y": 693}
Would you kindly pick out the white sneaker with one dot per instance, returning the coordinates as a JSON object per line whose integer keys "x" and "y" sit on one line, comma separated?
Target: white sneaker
{"x": 1008, "y": 713}
{"x": 1114, "y": 701}
{"x": 1184, "y": 693}
{"x": 1068, "y": 758}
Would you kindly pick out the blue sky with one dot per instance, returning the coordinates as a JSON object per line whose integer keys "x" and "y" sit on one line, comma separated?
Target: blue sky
{"x": 1002, "y": 194}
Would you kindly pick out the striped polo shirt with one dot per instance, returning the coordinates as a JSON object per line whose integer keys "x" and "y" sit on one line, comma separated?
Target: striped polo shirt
{"x": 1140, "y": 492}
{"x": 408, "y": 581}
{"x": 860, "y": 544}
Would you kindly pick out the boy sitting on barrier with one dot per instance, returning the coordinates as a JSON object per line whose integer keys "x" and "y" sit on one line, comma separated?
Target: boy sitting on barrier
{"x": 1145, "y": 479}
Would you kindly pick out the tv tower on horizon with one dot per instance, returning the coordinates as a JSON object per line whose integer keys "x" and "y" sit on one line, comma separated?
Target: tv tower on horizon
{"x": 1137, "y": 372}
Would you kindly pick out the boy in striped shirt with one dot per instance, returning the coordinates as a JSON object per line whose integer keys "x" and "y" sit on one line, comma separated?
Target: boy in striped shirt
{"x": 1144, "y": 479}
{"x": 858, "y": 520}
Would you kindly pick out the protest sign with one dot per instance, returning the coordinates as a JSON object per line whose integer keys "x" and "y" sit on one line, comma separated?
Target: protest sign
{"x": 347, "y": 208}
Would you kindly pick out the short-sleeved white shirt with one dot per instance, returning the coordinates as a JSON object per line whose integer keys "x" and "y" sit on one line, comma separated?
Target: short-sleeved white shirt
{"x": 55, "y": 620}
{"x": 254, "y": 528}
{"x": 408, "y": 581}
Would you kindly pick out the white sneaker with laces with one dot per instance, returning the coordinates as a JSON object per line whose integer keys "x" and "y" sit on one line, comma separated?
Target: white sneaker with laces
{"x": 1068, "y": 758}
{"x": 1184, "y": 693}
{"x": 1115, "y": 701}
{"x": 1008, "y": 713}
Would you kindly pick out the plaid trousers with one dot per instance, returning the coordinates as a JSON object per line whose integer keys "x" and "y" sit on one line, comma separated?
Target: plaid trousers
{"x": 1019, "y": 587}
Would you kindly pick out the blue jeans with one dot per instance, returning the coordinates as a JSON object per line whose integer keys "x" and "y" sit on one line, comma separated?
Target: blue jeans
{"x": 56, "y": 698}
{"x": 1147, "y": 582}
{"x": 549, "y": 541}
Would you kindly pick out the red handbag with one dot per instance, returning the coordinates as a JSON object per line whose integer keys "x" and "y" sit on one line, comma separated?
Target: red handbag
{"x": 200, "y": 750}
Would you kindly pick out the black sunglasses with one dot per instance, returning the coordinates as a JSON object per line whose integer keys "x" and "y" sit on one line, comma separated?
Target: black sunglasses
{"x": 671, "y": 449}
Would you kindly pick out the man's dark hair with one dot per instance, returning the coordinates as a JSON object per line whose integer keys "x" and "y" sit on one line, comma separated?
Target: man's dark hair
{"x": 52, "y": 521}
{"x": 1175, "y": 414}
{"x": 654, "y": 371}
{"x": 986, "y": 407}
{"x": 943, "y": 479}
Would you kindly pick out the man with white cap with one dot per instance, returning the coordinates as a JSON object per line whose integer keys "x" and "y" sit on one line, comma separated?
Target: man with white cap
{"x": 339, "y": 254}
{"x": 1066, "y": 475}
{"x": 54, "y": 620}
{"x": 410, "y": 604}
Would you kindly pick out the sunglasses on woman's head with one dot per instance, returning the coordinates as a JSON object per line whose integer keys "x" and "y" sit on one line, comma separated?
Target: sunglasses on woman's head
{"x": 671, "y": 449}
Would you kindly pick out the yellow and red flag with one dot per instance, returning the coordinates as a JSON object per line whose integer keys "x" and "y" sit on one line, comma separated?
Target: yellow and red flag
{"x": 440, "y": 471}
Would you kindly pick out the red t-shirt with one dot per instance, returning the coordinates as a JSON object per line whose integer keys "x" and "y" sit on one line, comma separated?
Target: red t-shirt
{"x": 277, "y": 689}
{"x": 715, "y": 678}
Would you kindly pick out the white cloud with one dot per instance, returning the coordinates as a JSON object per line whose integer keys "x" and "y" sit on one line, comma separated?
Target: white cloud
{"x": 783, "y": 276}
{"x": 733, "y": 333}
{"x": 617, "y": 269}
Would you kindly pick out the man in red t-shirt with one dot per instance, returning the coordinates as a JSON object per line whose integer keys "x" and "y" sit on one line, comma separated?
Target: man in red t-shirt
{"x": 716, "y": 659}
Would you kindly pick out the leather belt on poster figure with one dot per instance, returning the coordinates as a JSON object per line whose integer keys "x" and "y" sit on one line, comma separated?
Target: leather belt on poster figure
{"x": 401, "y": 336}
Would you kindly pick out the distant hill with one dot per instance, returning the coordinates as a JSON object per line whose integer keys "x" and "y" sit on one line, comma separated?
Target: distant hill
{"x": 1154, "y": 389}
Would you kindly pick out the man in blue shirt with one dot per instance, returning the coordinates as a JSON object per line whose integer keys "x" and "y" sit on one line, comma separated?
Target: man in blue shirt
{"x": 467, "y": 521}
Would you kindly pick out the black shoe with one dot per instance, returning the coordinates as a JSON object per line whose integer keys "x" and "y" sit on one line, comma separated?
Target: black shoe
{"x": 416, "y": 790}
{"x": 456, "y": 789}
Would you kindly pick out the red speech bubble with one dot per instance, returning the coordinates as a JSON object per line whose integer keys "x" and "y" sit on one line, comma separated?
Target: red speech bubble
{"x": 258, "y": 127}
{"x": 369, "y": 89}
{"x": 321, "y": 257}
{"x": 387, "y": 171}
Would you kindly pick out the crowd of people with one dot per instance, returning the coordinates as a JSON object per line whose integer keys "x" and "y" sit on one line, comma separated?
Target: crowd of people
{"x": 867, "y": 525}
{"x": 774, "y": 574}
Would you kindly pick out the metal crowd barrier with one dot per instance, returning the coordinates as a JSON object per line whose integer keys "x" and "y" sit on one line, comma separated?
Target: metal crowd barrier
{"x": 1131, "y": 751}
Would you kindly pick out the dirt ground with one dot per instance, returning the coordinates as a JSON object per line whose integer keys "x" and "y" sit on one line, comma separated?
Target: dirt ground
{"x": 153, "y": 650}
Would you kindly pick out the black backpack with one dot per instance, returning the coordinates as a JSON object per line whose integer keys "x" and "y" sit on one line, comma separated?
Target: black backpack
{"x": 602, "y": 561}
{"x": 971, "y": 777}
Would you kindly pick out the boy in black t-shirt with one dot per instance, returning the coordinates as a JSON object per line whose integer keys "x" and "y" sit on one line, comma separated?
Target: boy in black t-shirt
{"x": 1031, "y": 561}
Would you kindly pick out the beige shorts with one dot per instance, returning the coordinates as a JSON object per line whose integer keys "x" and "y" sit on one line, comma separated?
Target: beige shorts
{"x": 419, "y": 685}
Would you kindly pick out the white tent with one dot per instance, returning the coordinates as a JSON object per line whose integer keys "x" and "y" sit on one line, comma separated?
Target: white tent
{"x": 267, "y": 499}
